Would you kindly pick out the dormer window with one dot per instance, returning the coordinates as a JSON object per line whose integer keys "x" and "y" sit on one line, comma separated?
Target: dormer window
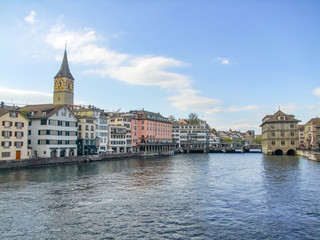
{"x": 44, "y": 113}
{"x": 281, "y": 118}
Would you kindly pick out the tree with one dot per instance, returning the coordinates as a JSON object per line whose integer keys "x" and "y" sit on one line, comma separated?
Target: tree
{"x": 172, "y": 119}
{"x": 214, "y": 131}
{"x": 226, "y": 139}
{"x": 193, "y": 118}
{"x": 257, "y": 140}
{"x": 25, "y": 112}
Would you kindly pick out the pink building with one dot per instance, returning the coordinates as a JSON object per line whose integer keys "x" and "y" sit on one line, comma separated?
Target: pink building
{"x": 150, "y": 132}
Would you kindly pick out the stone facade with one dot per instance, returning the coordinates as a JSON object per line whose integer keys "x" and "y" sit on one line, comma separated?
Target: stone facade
{"x": 311, "y": 135}
{"x": 280, "y": 134}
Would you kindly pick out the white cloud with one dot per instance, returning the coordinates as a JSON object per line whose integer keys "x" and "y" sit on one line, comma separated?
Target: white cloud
{"x": 232, "y": 109}
{"x": 22, "y": 97}
{"x": 190, "y": 101}
{"x": 316, "y": 91}
{"x": 136, "y": 70}
{"x": 222, "y": 60}
{"x": 31, "y": 17}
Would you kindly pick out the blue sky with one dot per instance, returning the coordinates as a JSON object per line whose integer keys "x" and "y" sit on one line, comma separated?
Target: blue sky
{"x": 231, "y": 62}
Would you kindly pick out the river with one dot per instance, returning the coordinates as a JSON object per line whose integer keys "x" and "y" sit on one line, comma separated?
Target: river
{"x": 186, "y": 196}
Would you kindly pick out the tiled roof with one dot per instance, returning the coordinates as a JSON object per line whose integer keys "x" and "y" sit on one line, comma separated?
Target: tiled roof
{"x": 314, "y": 121}
{"x": 42, "y": 111}
{"x": 274, "y": 118}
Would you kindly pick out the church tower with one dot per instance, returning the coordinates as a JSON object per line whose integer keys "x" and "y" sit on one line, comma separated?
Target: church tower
{"x": 63, "y": 84}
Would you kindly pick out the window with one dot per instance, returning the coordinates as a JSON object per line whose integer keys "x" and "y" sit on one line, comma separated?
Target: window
{"x": 18, "y": 144}
{"x": 6, "y": 134}
{"x": 43, "y": 122}
{"x": 19, "y": 125}
{"x": 63, "y": 112}
{"x": 291, "y": 125}
{"x": 292, "y": 134}
{"x": 282, "y": 134}
{"x": 18, "y": 134}
{"x": 6, "y": 144}
{"x": 5, "y": 154}
{"x": 142, "y": 127}
{"x": 6, "y": 124}
{"x": 292, "y": 142}
{"x": 13, "y": 114}
{"x": 283, "y": 143}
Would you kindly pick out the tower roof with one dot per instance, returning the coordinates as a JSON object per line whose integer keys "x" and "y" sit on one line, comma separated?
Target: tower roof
{"x": 64, "y": 69}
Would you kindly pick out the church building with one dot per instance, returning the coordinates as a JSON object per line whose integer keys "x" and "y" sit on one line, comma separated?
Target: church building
{"x": 53, "y": 127}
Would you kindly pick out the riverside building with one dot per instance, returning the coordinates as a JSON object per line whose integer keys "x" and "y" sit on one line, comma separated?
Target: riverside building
{"x": 192, "y": 136}
{"x": 14, "y": 135}
{"x": 280, "y": 134}
{"x": 151, "y": 132}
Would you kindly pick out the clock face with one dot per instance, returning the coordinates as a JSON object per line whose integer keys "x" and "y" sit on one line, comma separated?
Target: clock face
{"x": 59, "y": 84}
{"x": 70, "y": 85}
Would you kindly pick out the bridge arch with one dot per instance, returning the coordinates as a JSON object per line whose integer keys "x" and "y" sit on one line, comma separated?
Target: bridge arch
{"x": 278, "y": 152}
{"x": 291, "y": 152}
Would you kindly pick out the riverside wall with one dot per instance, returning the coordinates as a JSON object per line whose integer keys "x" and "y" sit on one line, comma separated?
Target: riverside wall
{"x": 311, "y": 155}
{"x": 6, "y": 164}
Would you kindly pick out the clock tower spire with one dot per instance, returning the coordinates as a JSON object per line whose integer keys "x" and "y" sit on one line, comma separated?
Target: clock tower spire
{"x": 63, "y": 84}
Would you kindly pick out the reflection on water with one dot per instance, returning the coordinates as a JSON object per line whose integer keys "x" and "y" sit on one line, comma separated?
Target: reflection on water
{"x": 192, "y": 196}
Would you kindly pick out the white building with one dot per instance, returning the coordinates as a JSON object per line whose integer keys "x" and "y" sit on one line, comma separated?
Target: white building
{"x": 52, "y": 130}
{"x": 191, "y": 135}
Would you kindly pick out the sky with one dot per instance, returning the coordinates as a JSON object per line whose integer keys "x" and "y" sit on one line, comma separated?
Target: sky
{"x": 231, "y": 62}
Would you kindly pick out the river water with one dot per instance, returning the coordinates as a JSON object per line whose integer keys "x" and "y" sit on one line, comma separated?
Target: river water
{"x": 187, "y": 196}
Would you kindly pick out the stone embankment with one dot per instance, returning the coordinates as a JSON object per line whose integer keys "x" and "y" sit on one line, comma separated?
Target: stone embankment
{"x": 5, "y": 164}
{"x": 312, "y": 155}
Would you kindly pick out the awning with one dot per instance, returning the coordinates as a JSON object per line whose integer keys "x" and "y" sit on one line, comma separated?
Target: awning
{"x": 90, "y": 147}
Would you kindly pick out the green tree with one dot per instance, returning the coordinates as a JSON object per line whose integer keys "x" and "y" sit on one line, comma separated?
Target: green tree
{"x": 193, "y": 118}
{"x": 226, "y": 139}
{"x": 257, "y": 140}
{"x": 25, "y": 112}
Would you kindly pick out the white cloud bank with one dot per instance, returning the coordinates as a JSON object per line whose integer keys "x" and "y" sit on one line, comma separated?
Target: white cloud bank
{"x": 136, "y": 70}
{"x": 31, "y": 17}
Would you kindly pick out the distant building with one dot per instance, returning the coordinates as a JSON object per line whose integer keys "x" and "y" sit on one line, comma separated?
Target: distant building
{"x": 280, "y": 134}
{"x": 311, "y": 138}
{"x": 249, "y": 136}
{"x": 192, "y": 135}
{"x": 14, "y": 135}
{"x": 119, "y": 133}
{"x": 151, "y": 132}
{"x": 101, "y": 121}
{"x": 301, "y": 135}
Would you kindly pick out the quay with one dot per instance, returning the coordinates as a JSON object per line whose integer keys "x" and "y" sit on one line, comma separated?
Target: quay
{"x": 6, "y": 164}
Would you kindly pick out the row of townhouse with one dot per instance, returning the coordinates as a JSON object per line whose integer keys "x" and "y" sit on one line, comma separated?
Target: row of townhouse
{"x": 309, "y": 134}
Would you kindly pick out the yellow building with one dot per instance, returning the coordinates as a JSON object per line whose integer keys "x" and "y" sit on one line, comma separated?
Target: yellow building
{"x": 311, "y": 140}
{"x": 14, "y": 134}
{"x": 280, "y": 134}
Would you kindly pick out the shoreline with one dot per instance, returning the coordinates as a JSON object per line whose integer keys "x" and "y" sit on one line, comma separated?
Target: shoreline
{"x": 9, "y": 164}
